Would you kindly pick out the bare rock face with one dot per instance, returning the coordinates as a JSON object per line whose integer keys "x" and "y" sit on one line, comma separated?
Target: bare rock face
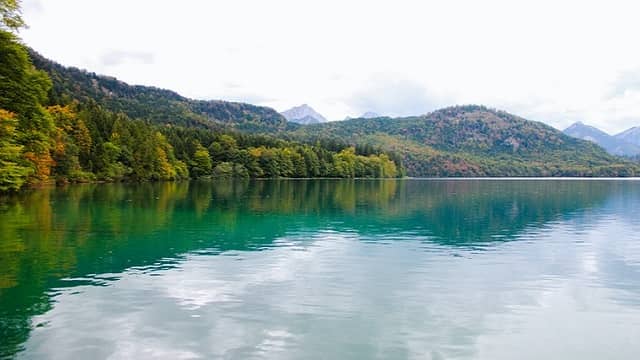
{"x": 303, "y": 114}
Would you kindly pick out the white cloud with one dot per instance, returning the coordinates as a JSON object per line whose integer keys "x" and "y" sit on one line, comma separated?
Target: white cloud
{"x": 393, "y": 95}
{"x": 627, "y": 81}
{"x": 119, "y": 57}
{"x": 550, "y": 61}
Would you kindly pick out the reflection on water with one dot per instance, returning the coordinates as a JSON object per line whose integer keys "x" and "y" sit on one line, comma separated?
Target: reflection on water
{"x": 323, "y": 269}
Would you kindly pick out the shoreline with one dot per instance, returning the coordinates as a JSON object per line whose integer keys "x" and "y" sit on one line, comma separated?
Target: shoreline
{"x": 54, "y": 184}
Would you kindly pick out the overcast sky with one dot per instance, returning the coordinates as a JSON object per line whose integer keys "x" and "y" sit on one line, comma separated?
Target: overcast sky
{"x": 552, "y": 61}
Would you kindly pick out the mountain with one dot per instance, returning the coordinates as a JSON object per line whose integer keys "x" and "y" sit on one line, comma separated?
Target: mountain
{"x": 616, "y": 145}
{"x": 474, "y": 141}
{"x": 631, "y": 136}
{"x": 303, "y": 114}
{"x": 151, "y": 103}
{"x": 369, "y": 115}
{"x": 366, "y": 115}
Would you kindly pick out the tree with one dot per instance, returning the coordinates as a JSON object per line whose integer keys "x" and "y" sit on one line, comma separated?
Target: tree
{"x": 223, "y": 170}
{"x": 111, "y": 169}
{"x": 201, "y": 164}
{"x": 345, "y": 162}
{"x": 70, "y": 138}
{"x": 240, "y": 171}
{"x": 225, "y": 149}
{"x": 164, "y": 158}
{"x": 312, "y": 162}
{"x": 13, "y": 169}
{"x": 23, "y": 90}
{"x": 389, "y": 168}
{"x": 10, "y": 15}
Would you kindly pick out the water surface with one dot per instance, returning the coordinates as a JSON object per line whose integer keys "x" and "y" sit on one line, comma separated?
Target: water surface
{"x": 323, "y": 269}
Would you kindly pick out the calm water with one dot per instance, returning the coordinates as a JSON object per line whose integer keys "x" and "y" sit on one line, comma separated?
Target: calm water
{"x": 409, "y": 269}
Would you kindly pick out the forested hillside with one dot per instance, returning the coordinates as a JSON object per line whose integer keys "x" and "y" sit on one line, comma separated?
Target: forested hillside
{"x": 77, "y": 133}
{"x": 153, "y": 104}
{"x": 475, "y": 141}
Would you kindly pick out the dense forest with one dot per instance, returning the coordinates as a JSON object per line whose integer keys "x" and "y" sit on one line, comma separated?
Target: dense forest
{"x": 159, "y": 106}
{"x": 46, "y": 137}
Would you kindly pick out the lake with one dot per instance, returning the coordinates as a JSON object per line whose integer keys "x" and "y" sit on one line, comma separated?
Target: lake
{"x": 323, "y": 269}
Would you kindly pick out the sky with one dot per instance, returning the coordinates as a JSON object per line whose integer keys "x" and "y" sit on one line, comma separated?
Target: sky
{"x": 551, "y": 61}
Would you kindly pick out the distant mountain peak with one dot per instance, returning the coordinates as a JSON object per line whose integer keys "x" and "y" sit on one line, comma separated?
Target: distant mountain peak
{"x": 370, "y": 115}
{"x": 366, "y": 115}
{"x": 620, "y": 144}
{"x": 303, "y": 114}
{"x": 580, "y": 127}
{"x": 631, "y": 135}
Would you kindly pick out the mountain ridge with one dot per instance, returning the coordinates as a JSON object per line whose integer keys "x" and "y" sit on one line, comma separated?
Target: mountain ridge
{"x": 631, "y": 135}
{"x": 473, "y": 140}
{"x": 615, "y": 145}
{"x": 152, "y": 103}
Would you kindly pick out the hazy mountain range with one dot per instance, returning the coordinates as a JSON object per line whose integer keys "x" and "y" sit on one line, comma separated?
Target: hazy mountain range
{"x": 627, "y": 143}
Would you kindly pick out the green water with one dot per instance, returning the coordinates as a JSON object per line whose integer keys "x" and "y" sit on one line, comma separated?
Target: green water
{"x": 323, "y": 269}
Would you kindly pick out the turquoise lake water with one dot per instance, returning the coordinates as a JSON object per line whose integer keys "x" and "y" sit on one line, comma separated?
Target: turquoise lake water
{"x": 323, "y": 269}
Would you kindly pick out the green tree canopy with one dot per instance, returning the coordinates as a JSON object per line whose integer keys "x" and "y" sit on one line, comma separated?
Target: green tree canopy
{"x": 13, "y": 169}
{"x": 10, "y": 15}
